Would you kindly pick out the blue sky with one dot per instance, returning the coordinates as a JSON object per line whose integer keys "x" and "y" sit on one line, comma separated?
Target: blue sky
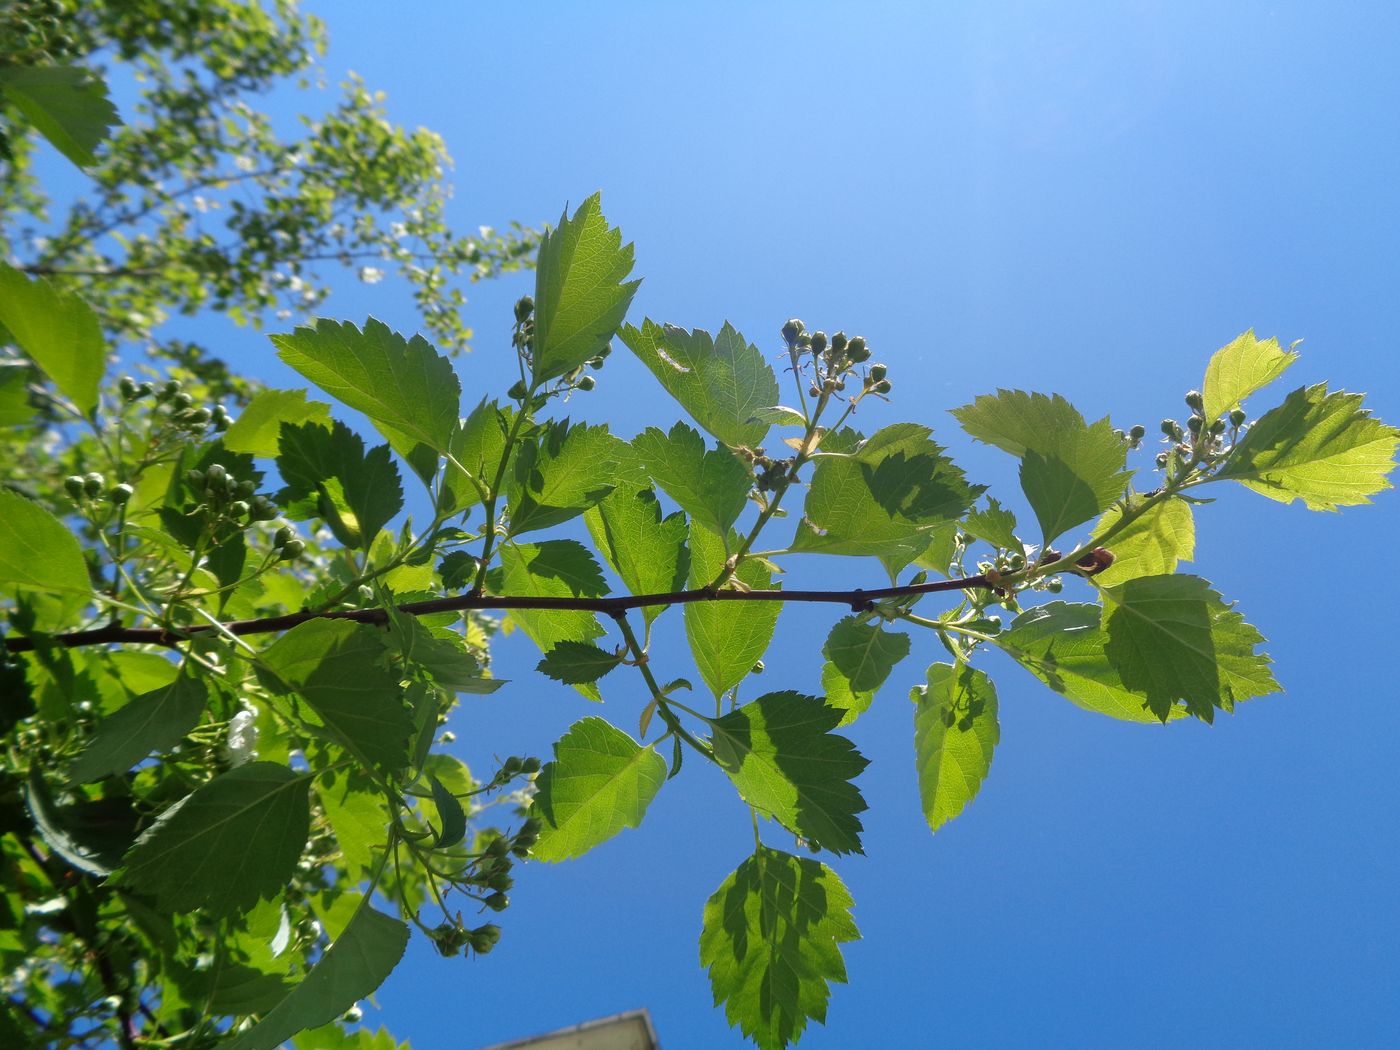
{"x": 1079, "y": 198}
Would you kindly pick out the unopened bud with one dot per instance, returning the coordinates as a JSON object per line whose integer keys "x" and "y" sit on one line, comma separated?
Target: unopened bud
{"x": 1137, "y": 433}
{"x": 1194, "y": 401}
{"x": 882, "y": 387}
{"x": 121, "y": 494}
{"x": 1237, "y": 418}
{"x": 818, "y": 342}
{"x": 74, "y": 486}
{"x": 791, "y": 330}
{"x": 128, "y": 388}
{"x": 93, "y": 484}
{"x": 878, "y": 372}
{"x": 292, "y": 549}
{"x": 524, "y": 307}
{"x": 587, "y": 383}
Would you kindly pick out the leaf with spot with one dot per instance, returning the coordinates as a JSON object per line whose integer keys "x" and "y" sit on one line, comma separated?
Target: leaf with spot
{"x": 1320, "y": 447}
{"x": 1172, "y": 639}
{"x": 711, "y": 485}
{"x": 581, "y": 291}
{"x": 955, "y": 732}
{"x": 782, "y": 756}
{"x": 228, "y": 843}
{"x": 722, "y": 381}
{"x": 1062, "y": 644}
{"x": 408, "y": 390}
{"x": 599, "y": 782}
{"x": 771, "y": 942}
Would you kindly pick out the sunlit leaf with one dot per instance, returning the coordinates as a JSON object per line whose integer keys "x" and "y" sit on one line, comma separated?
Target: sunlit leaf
{"x": 648, "y": 551}
{"x": 712, "y": 486}
{"x": 68, "y": 105}
{"x": 58, "y": 331}
{"x": 155, "y": 721}
{"x": 1151, "y": 544}
{"x": 575, "y": 662}
{"x": 330, "y": 475}
{"x": 1240, "y": 368}
{"x": 955, "y": 732}
{"x": 726, "y": 638}
{"x": 258, "y": 427}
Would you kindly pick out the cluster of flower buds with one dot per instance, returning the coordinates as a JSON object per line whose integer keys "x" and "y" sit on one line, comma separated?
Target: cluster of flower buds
{"x": 183, "y": 411}
{"x": 769, "y": 473}
{"x": 1200, "y": 437}
{"x": 451, "y": 937}
{"x": 833, "y": 359}
{"x": 1133, "y": 438}
{"x": 228, "y": 497}
{"x": 288, "y": 545}
{"x": 90, "y": 487}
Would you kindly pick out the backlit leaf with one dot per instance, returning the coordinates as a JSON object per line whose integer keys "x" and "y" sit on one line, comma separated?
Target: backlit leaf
{"x": 1240, "y": 368}
{"x": 58, "y": 331}
{"x": 68, "y": 105}
{"x": 1074, "y": 476}
{"x": 723, "y": 382}
{"x": 581, "y": 291}
{"x": 38, "y": 553}
{"x": 864, "y": 653}
{"x": 782, "y": 756}
{"x": 258, "y": 427}
{"x": 575, "y": 662}
{"x": 712, "y": 486}
{"x": 1151, "y": 544}
{"x": 1015, "y": 421}
{"x": 599, "y": 782}
{"x": 561, "y": 473}
{"x": 995, "y": 525}
{"x": 726, "y": 638}
{"x": 648, "y": 551}
{"x": 330, "y": 475}
{"x": 955, "y": 732}
{"x": 771, "y": 941}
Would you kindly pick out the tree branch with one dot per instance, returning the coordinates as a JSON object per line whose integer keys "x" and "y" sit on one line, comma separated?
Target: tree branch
{"x": 859, "y": 600}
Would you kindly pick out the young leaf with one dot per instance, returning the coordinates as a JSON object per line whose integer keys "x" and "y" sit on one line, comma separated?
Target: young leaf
{"x": 864, "y": 653}
{"x": 648, "y": 551}
{"x": 233, "y": 840}
{"x": 1151, "y": 544}
{"x": 1172, "y": 638}
{"x": 561, "y": 473}
{"x": 581, "y": 291}
{"x": 452, "y": 819}
{"x": 559, "y": 569}
{"x": 600, "y": 782}
{"x": 771, "y": 941}
{"x": 1062, "y": 644}
{"x": 355, "y": 809}
{"x": 408, "y": 390}
{"x": 1015, "y": 421}
{"x": 1322, "y": 448}
{"x": 576, "y": 662}
{"x": 1240, "y": 368}
{"x": 38, "y": 553}
{"x": 155, "y": 721}
{"x": 723, "y": 382}
{"x": 1078, "y": 474}
{"x": 339, "y": 669}
{"x": 68, "y": 105}
{"x": 726, "y": 639}
{"x": 780, "y": 415}
{"x": 712, "y": 486}
{"x": 58, "y": 331}
{"x": 782, "y": 756}
{"x": 365, "y": 953}
{"x": 995, "y": 525}
{"x": 257, "y": 429}
{"x": 329, "y": 475}
{"x": 955, "y": 731}
{"x": 477, "y": 444}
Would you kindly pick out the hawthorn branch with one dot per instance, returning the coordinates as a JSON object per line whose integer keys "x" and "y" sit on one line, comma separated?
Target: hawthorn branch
{"x": 859, "y": 600}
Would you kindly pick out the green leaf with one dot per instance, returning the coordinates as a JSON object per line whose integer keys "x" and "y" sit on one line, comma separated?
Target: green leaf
{"x": 780, "y": 415}
{"x": 1015, "y": 421}
{"x": 645, "y": 549}
{"x": 1062, "y": 644}
{"x": 712, "y": 486}
{"x": 1322, "y": 448}
{"x": 575, "y": 662}
{"x": 883, "y": 499}
{"x": 15, "y": 377}
{"x": 452, "y": 819}
{"x": 408, "y": 390}
{"x": 782, "y": 756}
{"x": 561, "y": 473}
{"x": 1151, "y": 544}
{"x": 477, "y": 444}
{"x": 995, "y": 525}
{"x": 723, "y": 382}
{"x": 228, "y": 843}
{"x": 257, "y": 429}
{"x": 38, "y": 553}
{"x": 557, "y": 569}
{"x": 771, "y": 941}
{"x": 339, "y": 668}
{"x": 357, "y": 815}
{"x": 90, "y": 835}
{"x": 68, "y": 105}
{"x": 58, "y": 331}
{"x": 726, "y": 638}
{"x": 364, "y": 954}
{"x": 1240, "y": 368}
{"x": 864, "y": 653}
{"x": 1077, "y": 477}
{"x": 941, "y": 549}
{"x": 581, "y": 291}
{"x": 837, "y": 691}
{"x": 155, "y": 721}
{"x": 1172, "y": 638}
{"x": 600, "y": 782}
{"x": 955, "y": 731}
{"x": 329, "y": 475}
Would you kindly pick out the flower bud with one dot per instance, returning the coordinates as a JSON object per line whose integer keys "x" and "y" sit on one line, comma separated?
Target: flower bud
{"x": 215, "y": 474}
{"x": 195, "y": 479}
{"x": 497, "y": 902}
{"x": 121, "y": 494}
{"x": 595, "y": 363}
{"x": 518, "y": 391}
{"x": 1054, "y": 585}
{"x": 877, "y": 372}
{"x": 1194, "y": 401}
{"x": 1237, "y": 418}
{"x": 1194, "y": 424}
{"x": 587, "y": 383}
{"x": 484, "y": 938}
{"x": 169, "y": 389}
{"x": 838, "y": 343}
{"x": 281, "y": 537}
{"x": 757, "y": 667}
{"x": 530, "y": 765}
{"x": 244, "y": 489}
{"x": 73, "y": 485}
{"x": 93, "y": 484}
{"x": 791, "y": 330}
{"x": 818, "y": 342}
{"x": 1170, "y": 428}
{"x": 128, "y": 388}
{"x": 882, "y": 387}
{"x": 1161, "y": 459}
{"x": 293, "y": 548}
{"x": 524, "y": 307}
{"x": 1138, "y": 432}
{"x": 237, "y": 509}
{"x": 500, "y": 880}
{"x": 197, "y": 417}
{"x": 1217, "y": 426}
{"x": 145, "y": 389}
{"x": 857, "y": 351}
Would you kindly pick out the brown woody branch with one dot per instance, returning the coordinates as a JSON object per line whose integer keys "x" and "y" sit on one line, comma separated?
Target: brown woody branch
{"x": 859, "y": 600}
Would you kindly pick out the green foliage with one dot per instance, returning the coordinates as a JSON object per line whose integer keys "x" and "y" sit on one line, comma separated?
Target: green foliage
{"x": 225, "y": 710}
{"x": 65, "y": 104}
{"x": 771, "y": 940}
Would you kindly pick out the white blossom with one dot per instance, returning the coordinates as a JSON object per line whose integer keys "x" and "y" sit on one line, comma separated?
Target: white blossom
{"x": 240, "y": 747}
{"x": 371, "y": 274}
{"x": 243, "y": 163}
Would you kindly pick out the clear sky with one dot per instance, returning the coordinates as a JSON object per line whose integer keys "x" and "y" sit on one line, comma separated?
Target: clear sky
{"x": 1080, "y": 198}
